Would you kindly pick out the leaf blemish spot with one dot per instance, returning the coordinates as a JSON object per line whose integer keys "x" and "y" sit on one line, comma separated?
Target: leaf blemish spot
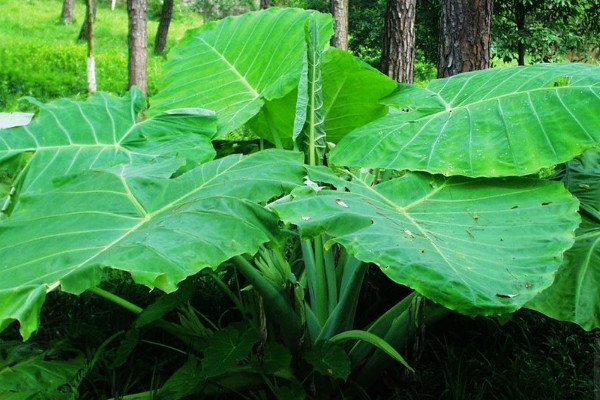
{"x": 546, "y": 203}
{"x": 514, "y": 207}
{"x": 528, "y": 285}
{"x": 341, "y": 203}
{"x": 506, "y": 296}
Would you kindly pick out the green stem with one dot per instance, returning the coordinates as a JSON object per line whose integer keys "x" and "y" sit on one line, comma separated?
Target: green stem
{"x": 402, "y": 330}
{"x": 310, "y": 268}
{"x": 236, "y": 301}
{"x": 276, "y": 301}
{"x": 175, "y": 330}
{"x": 117, "y": 300}
{"x": 342, "y": 316}
{"x": 322, "y": 306}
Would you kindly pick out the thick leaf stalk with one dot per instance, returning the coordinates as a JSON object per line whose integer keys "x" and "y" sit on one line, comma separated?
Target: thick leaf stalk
{"x": 314, "y": 130}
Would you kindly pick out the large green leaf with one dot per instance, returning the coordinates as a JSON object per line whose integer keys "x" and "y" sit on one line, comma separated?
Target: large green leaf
{"x": 352, "y": 91}
{"x": 575, "y": 295}
{"x": 232, "y": 65}
{"x": 475, "y": 246}
{"x": 581, "y": 177}
{"x": 137, "y": 219}
{"x": 69, "y": 137}
{"x": 497, "y": 122}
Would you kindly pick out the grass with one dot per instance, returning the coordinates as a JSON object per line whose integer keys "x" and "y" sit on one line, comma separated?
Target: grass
{"x": 41, "y": 57}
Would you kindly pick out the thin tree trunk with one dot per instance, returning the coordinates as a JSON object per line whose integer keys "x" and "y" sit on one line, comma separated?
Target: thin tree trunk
{"x": 464, "y": 36}
{"x": 68, "y": 10}
{"x": 520, "y": 18}
{"x": 90, "y": 18}
{"x": 398, "y": 55}
{"x": 91, "y": 63}
{"x": 339, "y": 10}
{"x": 138, "y": 48}
{"x": 166, "y": 13}
{"x": 264, "y": 4}
{"x": 113, "y": 3}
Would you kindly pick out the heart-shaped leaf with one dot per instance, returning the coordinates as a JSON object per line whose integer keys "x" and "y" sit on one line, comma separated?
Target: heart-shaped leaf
{"x": 135, "y": 218}
{"x": 498, "y": 122}
{"x": 70, "y": 137}
{"x": 575, "y": 294}
{"x": 475, "y": 246}
{"x": 232, "y": 65}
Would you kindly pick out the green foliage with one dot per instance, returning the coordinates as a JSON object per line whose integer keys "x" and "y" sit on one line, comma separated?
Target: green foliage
{"x": 287, "y": 235}
{"x": 27, "y": 372}
{"x": 489, "y": 123}
{"x": 63, "y": 73}
{"x": 547, "y": 30}
{"x": 214, "y": 9}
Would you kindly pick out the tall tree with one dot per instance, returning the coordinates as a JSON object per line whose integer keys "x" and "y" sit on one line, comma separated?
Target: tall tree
{"x": 398, "y": 55}
{"x": 465, "y": 36}
{"x": 339, "y": 10}
{"x": 90, "y": 18}
{"x": 68, "y": 10}
{"x": 166, "y": 14}
{"x": 264, "y": 4}
{"x": 90, "y": 62}
{"x": 138, "y": 47}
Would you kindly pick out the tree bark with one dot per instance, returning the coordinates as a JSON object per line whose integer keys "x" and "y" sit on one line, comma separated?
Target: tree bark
{"x": 339, "y": 10}
{"x": 90, "y": 18}
{"x": 166, "y": 14}
{"x": 264, "y": 4}
{"x": 137, "y": 41}
{"x": 90, "y": 62}
{"x": 398, "y": 55}
{"x": 68, "y": 10}
{"x": 520, "y": 19}
{"x": 464, "y": 36}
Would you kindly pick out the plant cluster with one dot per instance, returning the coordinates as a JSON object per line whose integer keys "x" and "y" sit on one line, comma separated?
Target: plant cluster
{"x": 438, "y": 187}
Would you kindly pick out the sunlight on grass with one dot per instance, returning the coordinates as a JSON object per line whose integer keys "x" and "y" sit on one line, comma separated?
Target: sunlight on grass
{"x": 41, "y": 57}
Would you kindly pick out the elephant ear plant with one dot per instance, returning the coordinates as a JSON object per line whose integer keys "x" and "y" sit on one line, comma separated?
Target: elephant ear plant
{"x": 439, "y": 187}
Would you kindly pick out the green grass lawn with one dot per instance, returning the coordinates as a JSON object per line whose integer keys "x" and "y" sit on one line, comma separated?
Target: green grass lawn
{"x": 41, "y": 57}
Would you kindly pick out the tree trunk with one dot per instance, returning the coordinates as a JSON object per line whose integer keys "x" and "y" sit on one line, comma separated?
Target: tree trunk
{"x": 166, "y": 13}
{"x": 339, "y": 10}
{"x": 138, "y": 48}
{"x": 90, "y": 62}
{"x": 264, "y": 4}
{"x": 520, "y": 18}
{"x": 68, "y": 10}
{"x": 90, "y": 18}
{"x": 464, "y": 36}
{"x": 398, "y": 55}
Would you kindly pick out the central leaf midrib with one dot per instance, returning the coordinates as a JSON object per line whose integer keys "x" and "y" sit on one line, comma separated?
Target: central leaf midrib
{"x": 149, "y": 216}
{"x": 233, "y": 69}
{"x": 405, "y": 214}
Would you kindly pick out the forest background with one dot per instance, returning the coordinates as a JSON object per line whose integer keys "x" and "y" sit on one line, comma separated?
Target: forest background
{"x": 40, "y": 57}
